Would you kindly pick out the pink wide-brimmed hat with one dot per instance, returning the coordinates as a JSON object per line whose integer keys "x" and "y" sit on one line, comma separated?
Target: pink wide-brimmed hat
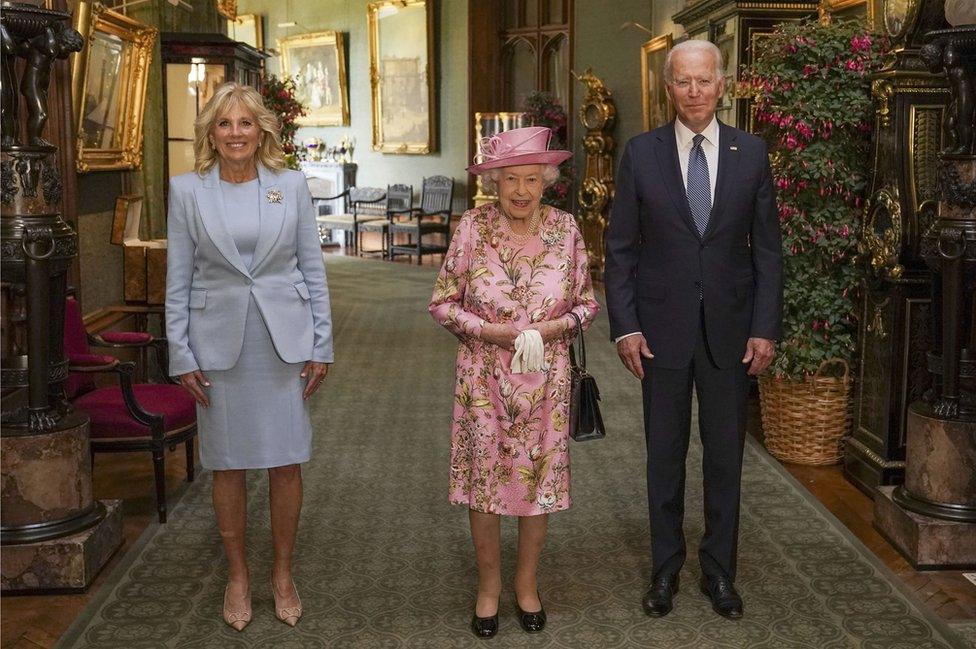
{"x": 519, "y": 146}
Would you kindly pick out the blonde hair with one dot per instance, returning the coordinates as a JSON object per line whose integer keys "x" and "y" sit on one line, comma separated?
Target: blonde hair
{"x": 231, "y": 94}
{"x": 489, "y": 179}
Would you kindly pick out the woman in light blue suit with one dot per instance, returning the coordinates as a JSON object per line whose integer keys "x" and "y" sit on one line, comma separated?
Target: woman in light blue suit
{"x": 249, "y": 325}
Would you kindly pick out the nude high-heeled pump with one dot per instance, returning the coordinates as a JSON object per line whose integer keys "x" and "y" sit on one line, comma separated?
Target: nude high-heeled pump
{"x": 238, "y": 619}
{"x": 290, "y": 615}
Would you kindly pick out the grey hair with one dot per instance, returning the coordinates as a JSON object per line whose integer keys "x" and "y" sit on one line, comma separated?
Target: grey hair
{"x": 489, "y": 179}
{"x": 694, "y": 45}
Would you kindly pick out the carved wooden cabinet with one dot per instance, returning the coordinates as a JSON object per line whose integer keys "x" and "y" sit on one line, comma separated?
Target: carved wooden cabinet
{"x": 895, "y": 326}
{"x": 194, "y": 66}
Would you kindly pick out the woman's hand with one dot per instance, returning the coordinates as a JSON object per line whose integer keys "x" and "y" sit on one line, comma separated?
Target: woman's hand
{"x": 503, "y": 335}
{"x": 194, "y": 382}
{"x": 552, "y": 329}
{"x": 313, "y": 373}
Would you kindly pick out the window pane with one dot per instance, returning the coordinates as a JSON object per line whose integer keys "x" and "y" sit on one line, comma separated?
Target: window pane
{"x": 531, "y": 13}
{"x": 181, "y": 158}
{"x": 211, "y": 76}
{"x": 512, "y": 13}
{"x": 520, "y": 73}
{"x": 555, "y": 12}
{"x": 557, "y": 70}
{"x": 181, "y": 99}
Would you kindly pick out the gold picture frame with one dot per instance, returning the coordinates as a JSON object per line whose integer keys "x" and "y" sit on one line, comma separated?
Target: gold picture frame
{"x": 850, "y": 8}
{"x": 247, "y": 28}
{"x": 227, "y": 8}
{"x": 317, "y": 63}
{"x": 402, "y": 71}
{"x": 108, "y": 87}
{"x": 656, "y": 106}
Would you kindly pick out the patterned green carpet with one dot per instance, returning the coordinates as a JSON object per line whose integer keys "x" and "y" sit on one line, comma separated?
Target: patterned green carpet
{"x": 384, "y": 561}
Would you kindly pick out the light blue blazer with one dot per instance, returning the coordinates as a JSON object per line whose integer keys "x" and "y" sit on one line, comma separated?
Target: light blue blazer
{"x": 208, "y": 287}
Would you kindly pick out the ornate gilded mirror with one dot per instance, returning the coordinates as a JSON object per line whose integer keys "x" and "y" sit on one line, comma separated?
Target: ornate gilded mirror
{"x": 109, "y": 88}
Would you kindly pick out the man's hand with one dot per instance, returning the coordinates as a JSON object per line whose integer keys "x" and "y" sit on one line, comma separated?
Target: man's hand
{"x": 313, "y": 373}
{"x": 503, "y": 335}
{"x": 759, "y": 354}
{"x": 630, "y": 350}
{"x": 194, "y": 382}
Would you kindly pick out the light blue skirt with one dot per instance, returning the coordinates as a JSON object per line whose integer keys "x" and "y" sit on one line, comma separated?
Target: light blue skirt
{"x": 257, "y": 417}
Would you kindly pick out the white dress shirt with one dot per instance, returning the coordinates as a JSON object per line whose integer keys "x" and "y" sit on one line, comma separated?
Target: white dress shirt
{"x": 684, "y": 137}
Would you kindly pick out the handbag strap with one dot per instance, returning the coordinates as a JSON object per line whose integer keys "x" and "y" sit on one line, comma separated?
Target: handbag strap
{"x": 582, "y": 344}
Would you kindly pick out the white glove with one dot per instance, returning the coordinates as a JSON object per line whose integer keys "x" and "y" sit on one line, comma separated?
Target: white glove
{"x": 529, "y": 353}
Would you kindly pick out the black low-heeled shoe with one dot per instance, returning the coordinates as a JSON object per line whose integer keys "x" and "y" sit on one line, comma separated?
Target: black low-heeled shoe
{"x": 531, "y": 622}
{"x": 484, "y": 627}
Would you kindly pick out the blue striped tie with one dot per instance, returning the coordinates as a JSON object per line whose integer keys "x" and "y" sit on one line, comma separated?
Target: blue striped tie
{"x": 699, "y": 190}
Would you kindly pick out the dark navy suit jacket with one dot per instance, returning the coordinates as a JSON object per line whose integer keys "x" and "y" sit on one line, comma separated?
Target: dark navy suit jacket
{"x": 657, "y": 265}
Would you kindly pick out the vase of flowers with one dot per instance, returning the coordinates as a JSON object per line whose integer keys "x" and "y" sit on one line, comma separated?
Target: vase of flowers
{"x": 542, "y": 109}
{"x": 813, "y": 107}
{"x": 279, "y": 98}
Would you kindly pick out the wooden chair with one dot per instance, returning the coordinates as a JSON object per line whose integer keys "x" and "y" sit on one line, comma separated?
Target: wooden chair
{"x": 128, "y": 416}
{"x": 399, "y": 202}
{"x": 365, "y": 204}
{"x": 433, "y": 217}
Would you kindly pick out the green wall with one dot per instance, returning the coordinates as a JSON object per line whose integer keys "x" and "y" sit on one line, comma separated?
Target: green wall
{"x": 349, "y": 17}
{"x": 613, "y": 51}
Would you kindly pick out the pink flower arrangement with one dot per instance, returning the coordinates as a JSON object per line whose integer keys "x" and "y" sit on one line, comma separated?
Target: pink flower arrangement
{"x": 813, "y": 107}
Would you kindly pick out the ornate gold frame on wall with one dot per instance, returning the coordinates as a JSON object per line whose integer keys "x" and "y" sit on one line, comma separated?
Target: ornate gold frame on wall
{"x": 329, "y": 39}
{"x": 664, "y": 42}
{"x": 139, "y": 40}
{"x": 871, "y": 10}
{"x": 380, "y": 141}
{"x": 227, "y": 8}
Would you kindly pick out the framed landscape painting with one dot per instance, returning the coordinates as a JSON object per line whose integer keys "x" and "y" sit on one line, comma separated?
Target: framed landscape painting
{"x": 317, "y": 63}
{"x": 402, "y": 73}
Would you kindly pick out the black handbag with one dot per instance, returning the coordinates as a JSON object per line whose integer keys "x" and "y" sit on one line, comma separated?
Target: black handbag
{"x": 585, "y": 420}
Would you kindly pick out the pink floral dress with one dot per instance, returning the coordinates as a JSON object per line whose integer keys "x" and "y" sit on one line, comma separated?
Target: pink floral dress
{"x": 510, "y": 436}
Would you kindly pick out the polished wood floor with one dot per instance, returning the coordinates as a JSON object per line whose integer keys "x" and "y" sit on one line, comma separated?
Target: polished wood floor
{"x": 30, "y": 622}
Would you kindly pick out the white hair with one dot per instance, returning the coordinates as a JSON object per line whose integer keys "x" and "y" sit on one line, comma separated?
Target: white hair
{"x": 694, "y": 45}
{"x": 489, "y": 179}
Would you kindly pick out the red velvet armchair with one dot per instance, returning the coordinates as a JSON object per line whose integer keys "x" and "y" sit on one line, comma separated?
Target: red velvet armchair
{"x": 128, "y": 416}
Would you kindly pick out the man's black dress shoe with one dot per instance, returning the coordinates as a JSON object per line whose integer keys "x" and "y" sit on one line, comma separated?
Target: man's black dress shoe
{"x": 531, "y": 622}
{"x": 484, "y": 627}
{"x": 725, "y": 600}
{"x": 658, "y": 600}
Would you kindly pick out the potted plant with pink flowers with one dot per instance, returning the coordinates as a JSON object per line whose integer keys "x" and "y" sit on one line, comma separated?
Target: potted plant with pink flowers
{"x": 542, "y": 109}
{"x": 813, "y": 107}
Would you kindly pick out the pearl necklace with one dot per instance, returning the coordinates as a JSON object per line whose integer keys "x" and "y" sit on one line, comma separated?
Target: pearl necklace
{"x": 533, "y": 228}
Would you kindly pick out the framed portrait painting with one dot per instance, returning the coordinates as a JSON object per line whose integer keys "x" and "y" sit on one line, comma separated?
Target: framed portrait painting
{"x": 654, "y": 99}
{"x": 402, "y": 71}
{"x": 317, "y": 63}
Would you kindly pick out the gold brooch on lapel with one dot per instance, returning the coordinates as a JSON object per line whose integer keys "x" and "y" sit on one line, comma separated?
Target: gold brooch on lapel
{"x": 274, "y": 196}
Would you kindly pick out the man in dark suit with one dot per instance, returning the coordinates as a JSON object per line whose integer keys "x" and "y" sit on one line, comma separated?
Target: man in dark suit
{"x": 694, "y": 290}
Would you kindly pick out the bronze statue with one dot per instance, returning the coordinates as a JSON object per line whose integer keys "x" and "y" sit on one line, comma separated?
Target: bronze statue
{"x": 55, "y": 42}
{"x": 942, "y": 56}
{"x": 8, "y": 90}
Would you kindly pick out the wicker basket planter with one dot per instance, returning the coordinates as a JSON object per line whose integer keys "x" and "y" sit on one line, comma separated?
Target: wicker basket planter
{"x": 805, "y": 422}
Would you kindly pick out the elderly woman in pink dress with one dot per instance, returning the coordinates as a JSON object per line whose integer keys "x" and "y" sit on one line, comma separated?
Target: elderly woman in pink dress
{"x": 513, "y": 278}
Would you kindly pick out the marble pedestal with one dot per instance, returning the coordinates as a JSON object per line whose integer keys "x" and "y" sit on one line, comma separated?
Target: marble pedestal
{"x": 927, "y": 543}
{"x": 65, "y": 565}
{"x": 54, "y": 535}
{"x": 930, "y": 518}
